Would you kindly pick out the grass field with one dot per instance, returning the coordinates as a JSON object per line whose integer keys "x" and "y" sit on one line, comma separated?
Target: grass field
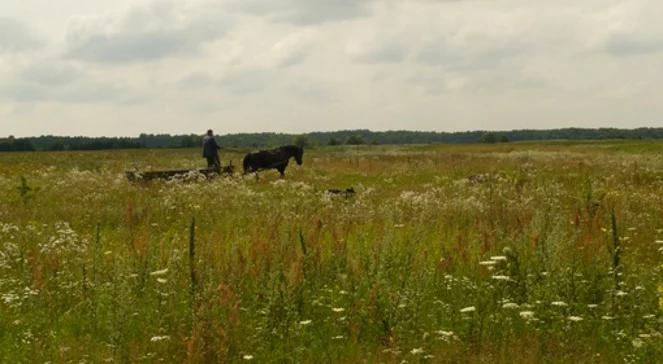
{"x": 527, "y": 252}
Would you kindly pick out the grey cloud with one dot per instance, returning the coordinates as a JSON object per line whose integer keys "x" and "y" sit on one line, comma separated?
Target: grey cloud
{"x": 51, "y": 73}
{"x": 56, "y": 81}
{"x": 86, "y": 92}
{"x": 16, "y": 37}
{"x": 469, "y": 54}
{"x": 129, "y": 47}
{"x": 305, "y": 12}
{"x": 381, "y": 53}
{"x": 196, "y": 80}
{"x": 149, "y": 33}
{"x": 245, "y": 81}
{"x": 623, "y": 45}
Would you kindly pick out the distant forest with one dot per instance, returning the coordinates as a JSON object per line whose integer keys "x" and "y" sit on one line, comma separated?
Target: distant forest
{"x": 344, "y": 137}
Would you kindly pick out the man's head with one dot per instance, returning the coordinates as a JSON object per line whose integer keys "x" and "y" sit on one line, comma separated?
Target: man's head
{"x": 210, "y": 132}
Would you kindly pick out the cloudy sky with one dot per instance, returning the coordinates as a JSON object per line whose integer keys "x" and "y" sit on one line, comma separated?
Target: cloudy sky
{"x": 122, "y": 67}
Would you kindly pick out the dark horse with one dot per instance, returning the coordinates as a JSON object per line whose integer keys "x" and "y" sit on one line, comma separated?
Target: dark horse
{"x": 273, "y": 159}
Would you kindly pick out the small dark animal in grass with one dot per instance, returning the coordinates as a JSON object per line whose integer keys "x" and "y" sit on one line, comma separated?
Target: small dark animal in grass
{"x": 273, "y": 159}
{"x": 347, "y": 193}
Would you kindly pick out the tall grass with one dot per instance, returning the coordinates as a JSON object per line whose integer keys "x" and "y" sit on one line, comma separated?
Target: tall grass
{"x": 511, "y": 253}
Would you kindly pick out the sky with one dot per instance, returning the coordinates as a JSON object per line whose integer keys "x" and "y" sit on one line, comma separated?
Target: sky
{"x": 121, "y": 67}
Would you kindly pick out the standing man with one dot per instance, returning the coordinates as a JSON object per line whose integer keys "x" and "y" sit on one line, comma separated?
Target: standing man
{"x": 211, "y": 151}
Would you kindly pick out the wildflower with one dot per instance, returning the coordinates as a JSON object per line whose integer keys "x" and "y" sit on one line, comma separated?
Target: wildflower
{"x": 339, "y": 337}
{"x": 501, "y": 278}
{"x": 402, "y": 305}
{"x": 247, "y": 357}
{"x": 159, "y": 272}
{"x": 527, "y": 314}
{"x": 620, "y": 293}
{"x": 607, "y": 318}
{"x": 510, "y": 305}
{"x": 488, "y": 262}
{"x": 156, "y": 339}
{"x": 498, "y": 258}
{"x": 162, "y": 280}
{"x": 592, "y": 305}
{"x": 575, "y": 318}
{"x": 468, "y": 309}
{"x": 338, "y": 309}
{"x": 559, "y": 303}
{"x": 305, "y": 322}
{"x": 644, "y": 336}
{"x": 648, "y": 317}
{"x": 417, "y": 351}
{"x": 445, "y": 333}
{"x": 637, "y": 343}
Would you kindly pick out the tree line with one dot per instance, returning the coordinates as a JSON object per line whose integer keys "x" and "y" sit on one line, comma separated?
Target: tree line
{"x": 343, "y": 137}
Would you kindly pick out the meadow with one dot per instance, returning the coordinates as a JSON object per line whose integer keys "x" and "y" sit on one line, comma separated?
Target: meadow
{"x": 513, "y": 253}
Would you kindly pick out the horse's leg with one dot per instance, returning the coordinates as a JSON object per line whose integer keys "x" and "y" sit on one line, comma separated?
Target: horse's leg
{"x": 281, "y": 169}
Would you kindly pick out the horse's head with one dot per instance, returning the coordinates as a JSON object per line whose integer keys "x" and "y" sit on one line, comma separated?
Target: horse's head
{"x": 299, "y": 154}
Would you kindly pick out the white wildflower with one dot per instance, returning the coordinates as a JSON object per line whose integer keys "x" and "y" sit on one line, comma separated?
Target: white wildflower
{"x": 417, "y": 351}
{"x": 499, "y": 258}
{"x": 305, "y": 322}
{"x": 510, "y": 305}
{"x": 156, "y": 339}
{"x": 247, "y": 357}
{"x": 468, "y": 309}
{"x": 162, "y": 280}
{"x": 527, "y": 314}
{"x": 159, "y": 272}
{"x": 637, "y": 343}
{"x": 575, "y": 318}
{"x": 501, "y": 278}
{"x": 338, "y": 309}
{"x": 488, "y": 262}
{"x": 559, "y": 303}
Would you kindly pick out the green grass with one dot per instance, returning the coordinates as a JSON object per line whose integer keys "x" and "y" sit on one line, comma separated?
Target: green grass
{"x": 95, "y": 269}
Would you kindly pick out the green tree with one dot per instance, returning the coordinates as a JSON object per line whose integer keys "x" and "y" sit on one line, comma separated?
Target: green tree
{"x": 334, "y": 141}
{"x": 301, "y": 141}
{"x": 489, "y": 138}
{"x": 355, "y": 140}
